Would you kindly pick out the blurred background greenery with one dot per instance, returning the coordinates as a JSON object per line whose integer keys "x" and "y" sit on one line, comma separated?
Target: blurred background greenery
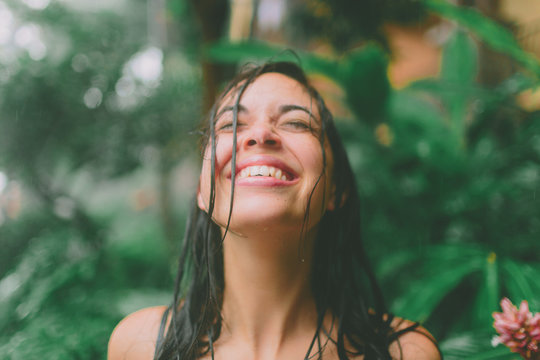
{"x": 437, "y": 101}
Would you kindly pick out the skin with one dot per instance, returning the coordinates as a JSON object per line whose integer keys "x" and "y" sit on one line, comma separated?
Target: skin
{"x": 268, "y": 309}
{"x": 277, "y": 121}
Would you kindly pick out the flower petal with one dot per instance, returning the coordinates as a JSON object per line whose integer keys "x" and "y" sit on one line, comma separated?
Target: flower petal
{"x": 496, "y": 340}
{"x": 507, "y": 306}
{"x": 523, "y": 313}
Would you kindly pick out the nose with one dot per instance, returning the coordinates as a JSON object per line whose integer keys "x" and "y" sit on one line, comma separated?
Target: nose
{"x": 261, "y": 135}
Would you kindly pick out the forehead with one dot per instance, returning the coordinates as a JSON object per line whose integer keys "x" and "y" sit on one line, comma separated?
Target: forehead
{"x": 268, "y": 89}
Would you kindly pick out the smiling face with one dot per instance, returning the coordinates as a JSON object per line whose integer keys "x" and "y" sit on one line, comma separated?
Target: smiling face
{"x": 279, "y": 159}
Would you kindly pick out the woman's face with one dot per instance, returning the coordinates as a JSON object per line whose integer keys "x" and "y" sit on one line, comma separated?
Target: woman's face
{"x": 278, "y": 159}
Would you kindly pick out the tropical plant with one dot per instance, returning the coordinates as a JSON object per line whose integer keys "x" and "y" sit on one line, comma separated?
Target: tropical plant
{"x": 448, "y": 170}
{"x": 91, "y": 140}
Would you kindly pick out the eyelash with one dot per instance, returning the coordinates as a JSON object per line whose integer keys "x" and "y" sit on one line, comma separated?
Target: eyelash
{"x": 297, "y": 124}
{"x": 225, "y": 126}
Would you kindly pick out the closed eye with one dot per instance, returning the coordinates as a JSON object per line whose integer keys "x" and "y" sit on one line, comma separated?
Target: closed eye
{"x": 228, "y": 126}
{"x": 298, "y": 124}
{"x": 225, "y": 126}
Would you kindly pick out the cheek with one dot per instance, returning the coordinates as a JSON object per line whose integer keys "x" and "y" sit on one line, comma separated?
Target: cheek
{"x": 223, "y": 155}
{"x": 313, "y": 162}
{"x": 309, "y": 154}
{"x": 223, "y": 152}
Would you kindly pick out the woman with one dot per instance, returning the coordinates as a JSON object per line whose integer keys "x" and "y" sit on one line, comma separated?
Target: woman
{"x": 272, "y": 265}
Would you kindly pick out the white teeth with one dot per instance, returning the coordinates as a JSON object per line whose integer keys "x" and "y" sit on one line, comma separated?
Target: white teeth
{"x": 263, "y": 170}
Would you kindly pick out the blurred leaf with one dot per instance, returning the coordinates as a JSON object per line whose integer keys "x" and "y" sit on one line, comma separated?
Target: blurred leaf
{"x": 458, "y": 72}
{"x": 133, "y": 300}
{"x": 487, "y": 30}
{"x": 459, "y": 61}
{"x": 488, "y": 296}
{"x": 62, "y": 334}
{"x": 456, "y": 84}
{"x": 394, "y": 262}
{"x": 363, "y": 74}
{"x": 492, "y": 283}
{"x": 421, "y": 132}
{"x": 232, "y": 52}
{"x": 515, "y": 84}
{"x": 522, "y": 282}
{"x": 493, "y": 354}
{"x": 473, "y": 345}
{"x": 51, "y": 262}
{"x": 446, "y": 271}
{"x": 423, "y": 296}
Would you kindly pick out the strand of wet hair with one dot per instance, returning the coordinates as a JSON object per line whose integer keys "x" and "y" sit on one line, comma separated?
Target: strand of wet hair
{"x": 303, "y": 231}
{"x": 241, "y": 91}
{"x": 233, "y": 173}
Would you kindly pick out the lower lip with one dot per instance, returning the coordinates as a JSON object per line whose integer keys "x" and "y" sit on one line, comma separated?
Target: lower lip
{"x": 263, "y": 181}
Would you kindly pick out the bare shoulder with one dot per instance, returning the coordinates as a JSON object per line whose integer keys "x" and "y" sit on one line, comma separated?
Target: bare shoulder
{"x": 134, "y": 338}
{"x": 417, "y": 344}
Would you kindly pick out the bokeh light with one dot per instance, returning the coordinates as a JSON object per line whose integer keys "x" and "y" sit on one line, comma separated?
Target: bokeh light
{"x": 37, "y": 4}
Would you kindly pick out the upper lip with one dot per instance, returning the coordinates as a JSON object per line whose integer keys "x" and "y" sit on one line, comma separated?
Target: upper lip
{"x": 263, "y": 160}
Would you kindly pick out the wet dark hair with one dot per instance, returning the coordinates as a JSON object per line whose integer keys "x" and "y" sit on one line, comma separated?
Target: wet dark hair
{"x": 342, "y": 280}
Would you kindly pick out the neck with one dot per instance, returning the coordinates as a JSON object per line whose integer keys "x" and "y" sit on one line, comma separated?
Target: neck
{"x": 267, "y": 299}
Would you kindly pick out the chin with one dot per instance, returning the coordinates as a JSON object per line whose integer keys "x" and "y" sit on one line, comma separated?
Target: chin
{"x": 255, "y": 218}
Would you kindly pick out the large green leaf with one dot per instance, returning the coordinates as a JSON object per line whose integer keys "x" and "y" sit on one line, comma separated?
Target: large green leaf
{"x": 455, "y": 86}
{"x": 248, "y": 51}
{"x": 487, "y": 299}
{"x": 362, "y": 73}
{"x": 522, "y": 283}
{"x": 473, "y": 345}
{"x": 460, "y": 60}
{"x": 445, "y": 275}
{"x": 491, "y": 279}
{"x": 487, "y": 30}
{"x": 458, "y": 73}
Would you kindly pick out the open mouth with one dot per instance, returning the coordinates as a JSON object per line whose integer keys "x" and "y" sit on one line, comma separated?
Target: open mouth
{"x": 264, "y": 171}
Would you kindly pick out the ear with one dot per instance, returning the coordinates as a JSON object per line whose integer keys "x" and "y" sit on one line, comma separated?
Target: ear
{"x": 200, "y": 201}
{"x": 331, "y": 206}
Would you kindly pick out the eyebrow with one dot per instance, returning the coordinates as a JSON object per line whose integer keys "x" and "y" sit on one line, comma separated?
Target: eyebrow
{"x": 282, "y": 110}
{"x": 241, "y": 108}
{"x": 291, "y": 107}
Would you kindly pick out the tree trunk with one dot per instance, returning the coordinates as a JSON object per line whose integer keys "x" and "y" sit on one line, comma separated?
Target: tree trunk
{"x": 212, "y": 16}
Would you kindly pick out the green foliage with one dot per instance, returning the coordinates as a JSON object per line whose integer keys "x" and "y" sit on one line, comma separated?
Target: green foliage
{"x": 345, "y": 23}
{"x": 362, "y": 74}
{"x": 487, "y": 30}
{"x": 96, "y": 175}
{"x": 474, "y": 345}
{"x": 448, "y": 171}
{"x": 44, "y": 299}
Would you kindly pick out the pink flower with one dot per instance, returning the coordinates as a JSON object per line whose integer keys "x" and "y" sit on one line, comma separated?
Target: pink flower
{"x": 518, "y": 329}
